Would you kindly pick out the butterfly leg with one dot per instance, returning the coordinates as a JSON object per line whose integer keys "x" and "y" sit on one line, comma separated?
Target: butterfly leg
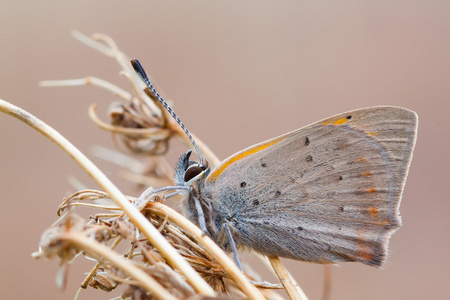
{"x": 233, "y": 247}
{"x": 201, "y": 215}
{"x": 264, "y": 284}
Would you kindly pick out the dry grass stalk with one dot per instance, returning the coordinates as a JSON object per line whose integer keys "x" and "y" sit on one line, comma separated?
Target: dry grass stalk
{"x": 168, "y": 256}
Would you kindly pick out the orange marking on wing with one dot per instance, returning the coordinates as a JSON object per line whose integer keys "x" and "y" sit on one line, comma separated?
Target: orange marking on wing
{"x": 367, "y": 173}
{"x": 216, "y": 173}
{"x": 366, "y": 256}
{"x": 384, "y": 223}
{"x": 337, "y": 122}
{"x": 362, "y": 159}
{"x": 372, "y": 133}
{"x": 373, "y": 210}
{"x": 371, "y": 190}
{"x": 364, "y": 253}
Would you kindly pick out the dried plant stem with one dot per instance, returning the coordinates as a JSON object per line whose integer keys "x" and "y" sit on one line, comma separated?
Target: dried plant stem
{"x": 153, "y": 235}
{"x": 90, "y": 80}
{"x": 88, "y": 278}
{"x": 210, "y": 246}
{"x": 109, "y": 48}
{"x": 93, "y": 43}
{"x": 151, "y": 133}
{"x": 102, "y": 252}
{"x": 292, "y": 288}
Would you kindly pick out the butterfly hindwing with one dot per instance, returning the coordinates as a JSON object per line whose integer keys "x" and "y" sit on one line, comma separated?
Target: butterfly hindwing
{"x": 327, "y": 192}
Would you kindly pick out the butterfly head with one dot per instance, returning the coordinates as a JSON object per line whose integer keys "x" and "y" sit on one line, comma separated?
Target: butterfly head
{"x": 189, "y": 172}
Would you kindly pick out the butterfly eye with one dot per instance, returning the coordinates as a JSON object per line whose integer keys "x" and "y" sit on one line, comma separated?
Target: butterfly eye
{"x": 191, "y": 172}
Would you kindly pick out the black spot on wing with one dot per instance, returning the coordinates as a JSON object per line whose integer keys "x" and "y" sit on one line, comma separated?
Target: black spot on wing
{"x": 263, "y": 164}
{"x": 307, "y": 142}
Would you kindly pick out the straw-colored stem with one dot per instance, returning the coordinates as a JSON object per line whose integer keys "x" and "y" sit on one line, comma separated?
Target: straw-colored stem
{"x": 90, "y": 80}
{"x": 292, "y": 288}
{"x": 88, "y": 278}
{"x": 103, "y": 252}
{"x": 121, "y": 59}
{"x": 153, "y": 235}
{"x": 215, "y": 251}
{"x": 150, "y": 133}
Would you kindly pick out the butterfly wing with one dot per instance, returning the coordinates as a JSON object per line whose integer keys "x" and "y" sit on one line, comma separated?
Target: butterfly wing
{"x": 324, "y": 193}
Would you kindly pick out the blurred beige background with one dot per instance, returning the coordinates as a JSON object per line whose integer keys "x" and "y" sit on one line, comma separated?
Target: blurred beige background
{"x": 237, "y": 73}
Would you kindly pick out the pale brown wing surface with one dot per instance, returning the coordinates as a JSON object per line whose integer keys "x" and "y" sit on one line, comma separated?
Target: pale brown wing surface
{"x": 328, "y": 192}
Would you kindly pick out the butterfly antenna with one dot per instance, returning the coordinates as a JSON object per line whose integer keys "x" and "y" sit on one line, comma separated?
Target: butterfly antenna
{"x": 141, "y": 72}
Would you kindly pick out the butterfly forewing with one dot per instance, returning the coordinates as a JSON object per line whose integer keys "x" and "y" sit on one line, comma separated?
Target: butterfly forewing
{"x": 328, "y": 192}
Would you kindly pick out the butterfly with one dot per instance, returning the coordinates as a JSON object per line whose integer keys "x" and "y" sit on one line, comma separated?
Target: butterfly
{"x": 325, "y": 193}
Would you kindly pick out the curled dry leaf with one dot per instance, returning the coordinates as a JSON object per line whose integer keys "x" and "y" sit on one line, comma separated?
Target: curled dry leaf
{"x": 101, "y": 280}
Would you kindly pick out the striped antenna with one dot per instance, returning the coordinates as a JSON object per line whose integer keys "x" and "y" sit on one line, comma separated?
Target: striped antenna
{"x": 140, "y": 71}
